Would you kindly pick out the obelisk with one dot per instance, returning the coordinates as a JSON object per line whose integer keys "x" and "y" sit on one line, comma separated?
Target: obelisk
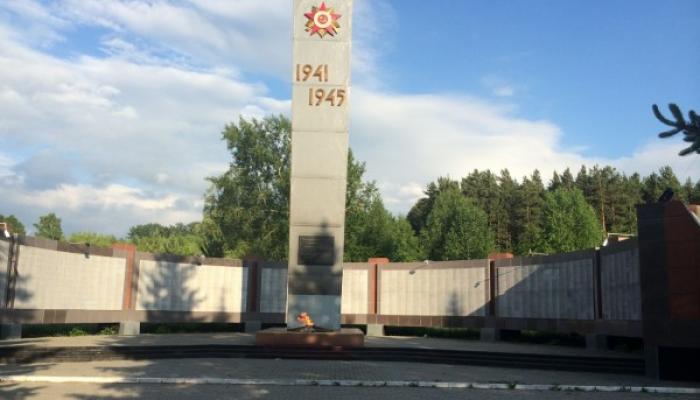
{"x": 320, "y": 99}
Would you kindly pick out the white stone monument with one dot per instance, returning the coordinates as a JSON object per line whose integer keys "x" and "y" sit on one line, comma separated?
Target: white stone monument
{"x": 320, "y": 99}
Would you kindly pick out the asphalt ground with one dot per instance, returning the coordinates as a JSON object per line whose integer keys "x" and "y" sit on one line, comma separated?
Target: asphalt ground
{"x": 198, "y": 392}
{"x": 249, "y": 339}
{"x": 262, "y": 370}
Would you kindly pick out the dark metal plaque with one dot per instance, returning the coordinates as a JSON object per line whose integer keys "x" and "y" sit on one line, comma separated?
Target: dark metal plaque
{"x": 316, "y": 250}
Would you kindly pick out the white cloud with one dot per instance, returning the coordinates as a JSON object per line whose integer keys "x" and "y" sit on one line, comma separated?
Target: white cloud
{"x": 251, "y": 34}
{"x": 112, "y": 208}
{"x": 374, "y": 22}
{"x": 75, "y": 197}
{"x": 113, "y": 137}
{"x": 38, "y": 23}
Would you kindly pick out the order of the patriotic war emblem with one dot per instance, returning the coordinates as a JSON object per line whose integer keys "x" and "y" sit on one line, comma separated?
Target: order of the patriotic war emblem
{"x": 322, "y": 21}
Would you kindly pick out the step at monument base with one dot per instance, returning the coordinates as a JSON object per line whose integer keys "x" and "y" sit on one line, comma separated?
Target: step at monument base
{"x": 281, "y": 337}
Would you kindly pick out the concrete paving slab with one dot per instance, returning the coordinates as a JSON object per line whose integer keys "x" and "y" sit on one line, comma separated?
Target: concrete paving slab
{"x": 327, "y": 370}
{"x": 247, "y": 339}
{"x": 39, "y": 391}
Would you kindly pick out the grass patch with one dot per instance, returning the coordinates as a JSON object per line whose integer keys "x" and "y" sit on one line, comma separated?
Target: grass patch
{"x": 57, "y": 330}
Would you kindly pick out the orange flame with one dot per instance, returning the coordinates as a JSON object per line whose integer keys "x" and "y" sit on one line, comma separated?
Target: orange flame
{"x": 305, "y": 320}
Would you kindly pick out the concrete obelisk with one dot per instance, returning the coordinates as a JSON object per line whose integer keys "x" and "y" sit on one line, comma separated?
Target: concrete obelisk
{"x": 320, "y": 98}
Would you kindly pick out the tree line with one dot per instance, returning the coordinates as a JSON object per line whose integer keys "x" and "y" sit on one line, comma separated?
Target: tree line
{"x": 246, "y": 209}
{"x": 568, "y": 213}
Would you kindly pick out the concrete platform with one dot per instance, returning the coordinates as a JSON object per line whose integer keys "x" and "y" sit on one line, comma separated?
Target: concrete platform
{"x": 247, "y": 339}
{"x": 281, "y": 337}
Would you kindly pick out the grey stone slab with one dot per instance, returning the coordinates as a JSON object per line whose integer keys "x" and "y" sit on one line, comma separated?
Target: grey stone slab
{"x": 375, "y": 330}
{"x": 252, "y": 326}
{"x": 319, "y": 118}
{"x": 315, "y": 284}
{"x": 330, "y": 56}
{"x": 318, "y": 202}
{"x": 129, "y": 328}
{"x": 319, "y": 155}
{"x": 324, "y": 310}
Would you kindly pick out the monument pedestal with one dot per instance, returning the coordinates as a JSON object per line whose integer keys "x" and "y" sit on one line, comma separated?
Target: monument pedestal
{"x": 281, "y": 337}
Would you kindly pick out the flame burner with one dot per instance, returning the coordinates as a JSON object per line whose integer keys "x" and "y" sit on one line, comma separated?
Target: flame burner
{"x": 308, "y": 324}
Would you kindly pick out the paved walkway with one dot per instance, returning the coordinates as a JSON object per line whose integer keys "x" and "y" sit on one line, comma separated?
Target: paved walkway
{"x": 249, "y": 339}
{"x": 103, "y": 373}
{"x": 41, "y": 391}
{"x": 263, "y": 371}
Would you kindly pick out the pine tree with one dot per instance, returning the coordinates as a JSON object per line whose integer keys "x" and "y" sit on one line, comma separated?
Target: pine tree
{"x": 555, "y": 183}
{"x": 655, "y": 184}
{"x": 529, "y": 211}
{"x": 482, "y": 188}
{"x": 668, "y": 179}
{"x": 687, "y": 191}
{"x": 567, "y": 180}
{"x": 631, "y": 197}
{"x": 418, "y": 215}
{"x": 507, "y": 220}
{"x": 569, "y": 222}
{"x": 457, "y": 229}
{"x": 651, "y": 188}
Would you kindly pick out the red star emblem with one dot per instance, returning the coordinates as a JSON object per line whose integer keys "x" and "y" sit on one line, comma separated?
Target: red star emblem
{"x": 322, "y": 20}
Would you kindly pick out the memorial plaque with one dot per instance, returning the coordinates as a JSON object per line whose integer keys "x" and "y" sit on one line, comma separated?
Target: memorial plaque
{"x": 316, "y": 250}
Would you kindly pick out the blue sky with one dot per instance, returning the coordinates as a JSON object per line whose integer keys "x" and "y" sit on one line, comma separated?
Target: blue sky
{"x": 111, "y": 111}
{"x": 592, "y": 67}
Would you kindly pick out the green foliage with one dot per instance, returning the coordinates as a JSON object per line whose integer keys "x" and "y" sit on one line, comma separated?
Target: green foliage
{"x": 212, "y": 243}
{"x": 95, "y": 239}
{"x": 405, "y": 245}
{"x": 247, "y": 208}
{"x": 110, "y": 330}
{"x": 456, "y": 229}
{"x": 418, "y": 216}
{"x": 515, "y": 210}
{"x": 508, "y": 195}
{"x": 76, "y": 331}
{"x": 179, "y": 239}
{"x": 249, "y": 203}
{"x": 370, "y": 230}
{"x": 367, "y": 222}
{"x": 15, "y": 224}
{"x": 690, "y": 193}
{"x": 568, "y": 222}
{"x": 528, "y": 213}
{"x": 56, "y": 330}
{"x": 655, "y": 184}
{"x": 482, "y": 188}
{"x": 49, "y": 227}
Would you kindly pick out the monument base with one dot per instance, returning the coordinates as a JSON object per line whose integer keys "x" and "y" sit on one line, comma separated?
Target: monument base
{"x": 281, "y": 337}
